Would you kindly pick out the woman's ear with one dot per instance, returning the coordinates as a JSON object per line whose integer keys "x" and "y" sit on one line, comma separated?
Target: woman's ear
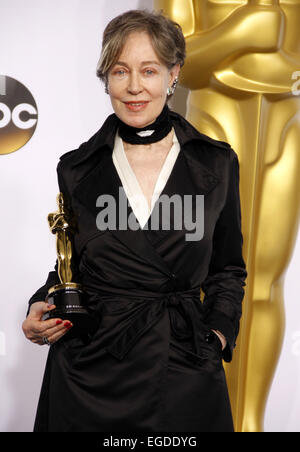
{"x": 174, "y": 76}
{"x": 174, "y": 73}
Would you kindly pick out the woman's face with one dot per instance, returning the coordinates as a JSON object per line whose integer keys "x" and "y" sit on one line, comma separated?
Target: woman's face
{"x": 138, "y": 82}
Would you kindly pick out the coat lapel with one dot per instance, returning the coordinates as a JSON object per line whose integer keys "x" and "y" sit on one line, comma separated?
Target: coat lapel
{"x": 102, "y": 181}
{"x": 188, "y": 177}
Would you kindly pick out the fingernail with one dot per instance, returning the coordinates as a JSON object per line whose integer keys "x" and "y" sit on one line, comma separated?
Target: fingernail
{"x": 68, "y": 324}
{"x": 58, "y": 322}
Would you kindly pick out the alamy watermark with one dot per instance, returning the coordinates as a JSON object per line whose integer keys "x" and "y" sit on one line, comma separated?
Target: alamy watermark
{"x": 188, "y": 214}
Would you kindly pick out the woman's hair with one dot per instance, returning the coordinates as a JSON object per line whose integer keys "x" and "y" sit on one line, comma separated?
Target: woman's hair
{"x": 166, "y": 36}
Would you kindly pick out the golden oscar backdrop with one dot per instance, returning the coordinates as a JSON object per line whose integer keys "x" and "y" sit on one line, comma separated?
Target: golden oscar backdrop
{"x": 242, "y": 59}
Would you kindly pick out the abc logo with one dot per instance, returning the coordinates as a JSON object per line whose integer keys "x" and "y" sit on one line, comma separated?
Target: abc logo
{"x": 18, "y": 115}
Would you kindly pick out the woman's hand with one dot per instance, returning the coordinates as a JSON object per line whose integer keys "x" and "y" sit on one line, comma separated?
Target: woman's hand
{"x": 41, "y": 331}
{"x": 222, "y": 338}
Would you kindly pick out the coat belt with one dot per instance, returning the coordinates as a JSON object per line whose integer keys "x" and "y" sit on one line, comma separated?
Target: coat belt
{"x": 151, "y": 311}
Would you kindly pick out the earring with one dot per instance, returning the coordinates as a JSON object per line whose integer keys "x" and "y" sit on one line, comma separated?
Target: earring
{"x": 171, "y": 89}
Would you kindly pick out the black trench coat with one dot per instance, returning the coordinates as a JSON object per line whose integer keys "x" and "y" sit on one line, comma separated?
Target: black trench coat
{"x": 148, "y": 367}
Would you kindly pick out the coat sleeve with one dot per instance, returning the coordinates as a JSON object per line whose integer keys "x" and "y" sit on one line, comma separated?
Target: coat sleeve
{"x": 53, "y": 277}
{"x": 223, "y": 286}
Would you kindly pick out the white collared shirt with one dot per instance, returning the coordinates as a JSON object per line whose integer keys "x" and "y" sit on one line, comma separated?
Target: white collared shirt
{"x": 133, "y": 191}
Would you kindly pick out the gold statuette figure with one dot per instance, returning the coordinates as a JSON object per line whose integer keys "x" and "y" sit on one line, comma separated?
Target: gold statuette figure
{"x": 60, "y": 225}
{"x": 68, "y": 297}
{"x": 243, "y": 59}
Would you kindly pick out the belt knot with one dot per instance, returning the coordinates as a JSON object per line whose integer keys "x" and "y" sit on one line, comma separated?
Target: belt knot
{"x": 183, "y": 322}
{"x": 172, "y": 300}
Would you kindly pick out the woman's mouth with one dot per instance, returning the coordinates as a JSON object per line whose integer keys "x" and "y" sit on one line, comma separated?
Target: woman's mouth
{"x": 136, "y": 106}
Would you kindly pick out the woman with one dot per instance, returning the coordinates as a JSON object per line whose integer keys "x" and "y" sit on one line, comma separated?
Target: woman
{"x": 155, "y": 362}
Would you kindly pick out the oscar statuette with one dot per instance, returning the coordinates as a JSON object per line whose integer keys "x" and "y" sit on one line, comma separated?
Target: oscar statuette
{"x": 69, "y": 297}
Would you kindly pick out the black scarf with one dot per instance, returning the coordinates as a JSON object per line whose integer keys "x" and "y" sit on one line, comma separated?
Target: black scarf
{"x": 160, "y": 127}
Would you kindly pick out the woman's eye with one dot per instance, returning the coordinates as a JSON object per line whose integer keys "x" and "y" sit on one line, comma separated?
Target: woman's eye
{"x": 119, "y": 72}
{"x": 149, "y": 72}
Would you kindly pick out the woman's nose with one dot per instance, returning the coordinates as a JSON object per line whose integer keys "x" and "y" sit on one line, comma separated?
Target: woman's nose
{"x": 134, "y": 84}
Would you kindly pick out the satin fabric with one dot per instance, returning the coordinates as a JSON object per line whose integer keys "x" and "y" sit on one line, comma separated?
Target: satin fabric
{"x": 148, "y": 367}
{"x": 134, "y": 193}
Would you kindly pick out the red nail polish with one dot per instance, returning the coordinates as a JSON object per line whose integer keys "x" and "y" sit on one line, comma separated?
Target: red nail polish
{"x": 58, "y": 322}
{"x": 68, "y": 324}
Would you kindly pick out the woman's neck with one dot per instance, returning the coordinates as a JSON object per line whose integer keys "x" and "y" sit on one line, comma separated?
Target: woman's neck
{"x": 164, "y": 144}
{"x": 152, "y": 133}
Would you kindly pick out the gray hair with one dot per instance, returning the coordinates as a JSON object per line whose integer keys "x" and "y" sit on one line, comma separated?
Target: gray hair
{"x": 166, "y": 36}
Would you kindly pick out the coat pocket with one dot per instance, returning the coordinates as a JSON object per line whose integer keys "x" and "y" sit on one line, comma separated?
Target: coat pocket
{"x": 184, "y": 359}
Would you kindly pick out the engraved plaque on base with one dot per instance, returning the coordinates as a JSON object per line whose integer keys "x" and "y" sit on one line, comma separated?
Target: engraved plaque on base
{"x": 70, "y": 301}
